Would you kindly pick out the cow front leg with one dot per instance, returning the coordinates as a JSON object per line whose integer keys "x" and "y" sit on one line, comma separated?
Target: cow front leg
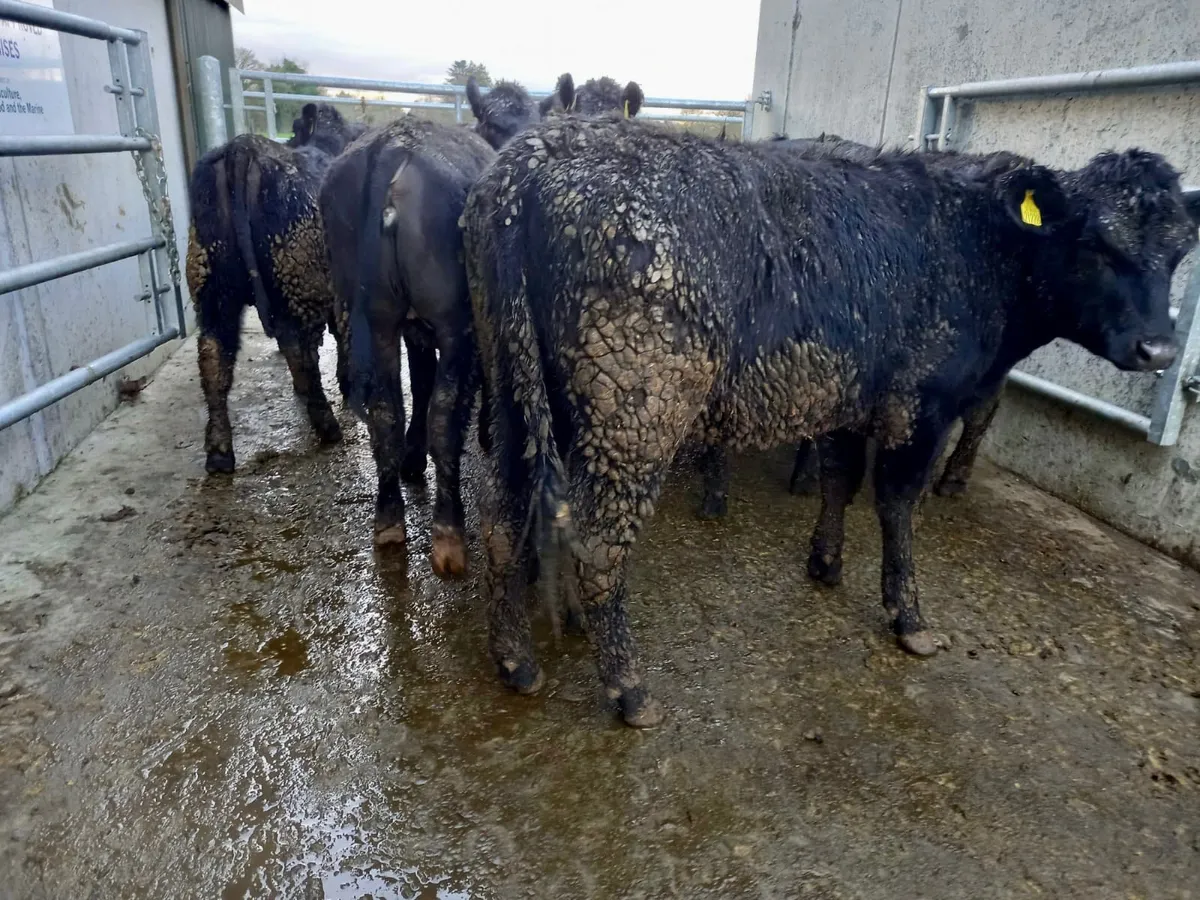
{"x": 805, "y": 469}
{"x": 843, "y": 458}
{"x": 449, "y": 418}
{"x": 716, "y": 470}
{"x": 901, "y": 475}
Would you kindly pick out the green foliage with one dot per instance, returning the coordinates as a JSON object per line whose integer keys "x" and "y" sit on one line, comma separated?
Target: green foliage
{"x": 462, "y": 69}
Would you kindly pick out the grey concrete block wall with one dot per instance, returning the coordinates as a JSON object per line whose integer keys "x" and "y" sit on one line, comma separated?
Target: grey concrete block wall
{"x": 52, "y": 206}
{"x": 856, "y": 67}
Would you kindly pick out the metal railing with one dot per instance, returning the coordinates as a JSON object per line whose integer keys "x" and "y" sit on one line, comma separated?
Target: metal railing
{"x": 455, "y": 95}
{"x": 937, "y": 115}
{"x": 158, "y": 256}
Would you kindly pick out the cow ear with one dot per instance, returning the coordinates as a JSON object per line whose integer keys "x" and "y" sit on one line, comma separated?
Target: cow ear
{"x": 633, "y": 98}
{"x": 565, "y": 89}
{"x": 1191, "y": 203}
{"x": 1033, "y": 198}
{"x": 309, "y": 113}
{"x": 475, "y": 98}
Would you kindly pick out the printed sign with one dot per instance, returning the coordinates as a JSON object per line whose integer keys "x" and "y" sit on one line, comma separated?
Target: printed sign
{"x": 33, "y": 89}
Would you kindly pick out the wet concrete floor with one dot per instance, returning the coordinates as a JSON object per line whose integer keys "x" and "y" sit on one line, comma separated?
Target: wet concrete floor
{"x": 216, "y": 688}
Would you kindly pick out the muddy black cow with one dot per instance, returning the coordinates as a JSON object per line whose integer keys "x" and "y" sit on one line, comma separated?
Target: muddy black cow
{"x": 255, "y": 239}
{"x": 391, "y": 206}
{"x": 633, "y": 286}
{"x": 978, "y": 416}
{"x": 596, "y": 97}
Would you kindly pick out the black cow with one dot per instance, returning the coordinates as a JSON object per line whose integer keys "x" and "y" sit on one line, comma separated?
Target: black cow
{"x": 978, "y": 416}
{"x": 597, "y": 96}
{"x": 633, "y": 286}
{"x": 391, "y": 206}
{"x": 255, "y": 238}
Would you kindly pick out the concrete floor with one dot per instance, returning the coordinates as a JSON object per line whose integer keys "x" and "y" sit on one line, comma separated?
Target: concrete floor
{"x": 216, "y": 688}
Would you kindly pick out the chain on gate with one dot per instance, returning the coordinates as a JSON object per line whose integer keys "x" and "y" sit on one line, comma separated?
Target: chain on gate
{"x": 160, "y": 212}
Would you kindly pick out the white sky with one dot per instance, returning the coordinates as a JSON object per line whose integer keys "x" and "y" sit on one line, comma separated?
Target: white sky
{"x": 669, "y": 47}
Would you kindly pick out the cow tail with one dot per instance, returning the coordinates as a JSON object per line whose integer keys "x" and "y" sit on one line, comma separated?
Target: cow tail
{"x": 371, "y": 230}
{"x": 240, "y": 214}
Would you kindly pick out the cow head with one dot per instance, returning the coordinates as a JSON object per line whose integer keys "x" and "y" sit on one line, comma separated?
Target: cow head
{"x": 503, "y": 112}
{"x": 1107, "y": 239}
{"x": 320, "y": 125}
{"x": 601, "y": 95}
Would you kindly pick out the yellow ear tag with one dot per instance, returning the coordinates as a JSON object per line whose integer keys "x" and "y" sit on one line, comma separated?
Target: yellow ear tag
{"x": 627, "y": 109}
{"x": 1030, "y": 214}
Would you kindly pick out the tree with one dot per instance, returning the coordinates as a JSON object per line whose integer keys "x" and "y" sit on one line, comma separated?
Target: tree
{"x": 462, "y": 69}
{"x": 245, "y": 58}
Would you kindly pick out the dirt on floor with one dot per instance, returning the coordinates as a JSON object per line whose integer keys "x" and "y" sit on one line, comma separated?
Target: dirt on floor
{"x": 217, "y": 688}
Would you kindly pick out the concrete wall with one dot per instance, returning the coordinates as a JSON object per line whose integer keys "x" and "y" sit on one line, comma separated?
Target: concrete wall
{"x": 56, "y": 205}
{"x": 856, "y": 68}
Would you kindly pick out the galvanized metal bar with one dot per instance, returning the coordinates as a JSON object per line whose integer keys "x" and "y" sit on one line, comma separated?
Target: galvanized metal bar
{"x": 1171, "y": 398}
{"x": 67, "y": 23}
{"x": 237, "y": 100}
{"x": 348, "y": 101}
{"x": 211, "y": 92}
{"x": 1102, "y": 408}
{"x": 66, "y": 144}
{"x": 925, "y": 116}
{"x": 65, "y": 385}
{"x": 145, "y": 107}
{"x": 269, "y": 103}
{"x": 458, "y": 99}
{"x": 49, "y": 269}
{"x": 452, "y": 90}
{"x": 946, "y": 124}
{"x": 1100, "y": 80}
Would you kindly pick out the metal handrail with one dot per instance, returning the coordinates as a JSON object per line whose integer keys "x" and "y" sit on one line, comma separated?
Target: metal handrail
{"x": 65, "y": 144}
{"x": 68, "y": 23}
{"x": 1156, "y": 75}
{"x": 50, "y": 269}
{"x": 65, "y": 385}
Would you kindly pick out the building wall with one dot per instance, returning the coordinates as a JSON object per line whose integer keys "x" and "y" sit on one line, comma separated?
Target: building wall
{"x": 51, "y": 206}
{"x": 856, "y": 68}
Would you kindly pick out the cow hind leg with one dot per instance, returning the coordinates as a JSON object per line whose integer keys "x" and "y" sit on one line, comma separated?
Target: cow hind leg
{"x": 343, "y": 367}
{"x": 450, "y": 413}
{"x": 976, "y": 422}
{"x": 302, "y": 355}
{"x": 385, "y": 424}
{"x": 217, "y": 353}
{"x": 843, "y": 463}
{"x": 901, "y": 475}
{"x": 422, "y": 371}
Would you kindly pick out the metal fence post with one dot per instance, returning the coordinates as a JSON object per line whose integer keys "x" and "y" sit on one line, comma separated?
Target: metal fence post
{"x": 212, "y": 102}
{"x": 1171, "y": 396}
{"x": 269, "y": 103}
{"x": 458, "y": 107}
{"x": 237, "y": 100}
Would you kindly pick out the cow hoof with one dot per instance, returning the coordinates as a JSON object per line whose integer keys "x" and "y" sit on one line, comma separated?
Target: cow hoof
{"x": 803, "y": 487}
{"x": 919, "y": 643}
{"x": 412, "y": 468}
{"x": 328, "y": 430}
{"x": 524, "y": 678}
{"x": 449, "y": 556}
{"x": 951, "y": 487}
{"x": 714, "y": 507}
{"x": 641, "y": 710}
{"x": 219, "y": 463}
{"x": 825, "y": 569}
{"x": 573, "y": 623}
{"x": 391, "y": 536}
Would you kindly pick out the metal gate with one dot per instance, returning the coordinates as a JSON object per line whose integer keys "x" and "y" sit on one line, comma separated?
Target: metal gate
{"x": 937, "y": 114}
{"x": 158, "y": 256}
